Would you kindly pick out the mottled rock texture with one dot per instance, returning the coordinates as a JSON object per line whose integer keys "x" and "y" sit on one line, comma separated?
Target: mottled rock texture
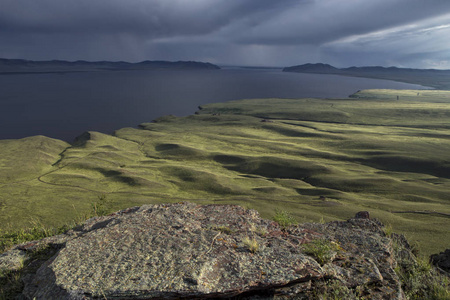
{"x": 185, "y": 250}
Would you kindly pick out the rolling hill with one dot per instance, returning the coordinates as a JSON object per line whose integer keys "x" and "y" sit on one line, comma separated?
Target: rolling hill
{"x": 321, "y": 159}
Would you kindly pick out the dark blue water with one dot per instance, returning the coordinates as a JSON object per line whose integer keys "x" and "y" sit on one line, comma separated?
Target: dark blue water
{"x": 65, "y": 105}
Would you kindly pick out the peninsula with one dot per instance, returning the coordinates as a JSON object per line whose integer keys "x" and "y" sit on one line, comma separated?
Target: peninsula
{"x": 438, "y": 79}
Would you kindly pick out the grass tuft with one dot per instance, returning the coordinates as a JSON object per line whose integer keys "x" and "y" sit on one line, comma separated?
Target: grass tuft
{"x": 388, "y": 230}
{"x": 101, "y": 207}
{"x": 322, "y": 250}
{"x": 251, "y": 244}
{"x": 258, "y": 230}
{"x": 334, "y": 290}
{"x": 284, "y": 219}
{"x": 421, "y": 281}
{"x": 35, "y": 232}
{"x": 223, "y": 229}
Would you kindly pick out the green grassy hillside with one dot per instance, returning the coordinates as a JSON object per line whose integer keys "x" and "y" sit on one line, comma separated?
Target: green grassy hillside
{"x": 319, "y": 159}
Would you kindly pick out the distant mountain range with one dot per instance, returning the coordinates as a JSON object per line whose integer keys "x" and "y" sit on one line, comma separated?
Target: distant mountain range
{"x": 10, "y": 66}
{"x": 439, "y": 79}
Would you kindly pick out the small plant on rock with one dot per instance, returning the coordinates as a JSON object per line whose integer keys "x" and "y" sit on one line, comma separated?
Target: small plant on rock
{"x": 223, "y": 229}
{"x": 388, "y": 230}
{"x": 251, "y": 244}
{"x": 284, "y": 219}
{"x": 258, "y": 230}
{"x": 322, "y": 250}
{"x": 334, "y": 290}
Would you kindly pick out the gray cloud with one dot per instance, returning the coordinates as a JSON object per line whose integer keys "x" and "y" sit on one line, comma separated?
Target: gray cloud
{"x": 250, "y": 32}
{"x": 421, "y": 44}
{"x": 327, "y": 20}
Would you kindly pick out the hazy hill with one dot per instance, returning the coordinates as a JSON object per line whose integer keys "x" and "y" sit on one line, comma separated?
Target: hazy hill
{"x": 439, "y": 79}
{"x": 313, "y": 68}
{"x": 30, "y": 66}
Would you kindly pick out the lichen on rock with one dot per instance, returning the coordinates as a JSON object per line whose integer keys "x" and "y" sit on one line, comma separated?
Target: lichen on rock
{"x": 186, "y": 250}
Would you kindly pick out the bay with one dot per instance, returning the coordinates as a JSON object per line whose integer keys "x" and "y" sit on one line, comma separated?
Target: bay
{"x": 65, "y": 105}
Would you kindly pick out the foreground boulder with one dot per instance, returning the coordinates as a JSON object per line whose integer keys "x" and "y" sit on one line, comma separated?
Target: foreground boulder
{"x": 185, "y": 250}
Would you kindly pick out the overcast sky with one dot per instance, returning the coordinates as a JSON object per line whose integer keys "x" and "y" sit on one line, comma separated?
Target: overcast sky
{"x": 403, "y": 33}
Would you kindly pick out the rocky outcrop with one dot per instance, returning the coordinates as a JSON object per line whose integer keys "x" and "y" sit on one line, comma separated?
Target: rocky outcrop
{"x": 185, "y": 250}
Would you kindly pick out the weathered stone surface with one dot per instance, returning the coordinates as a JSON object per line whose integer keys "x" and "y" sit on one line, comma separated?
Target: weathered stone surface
{"x": 186, "y": 250}
{"x": 12, "y": 260}
{"x": 366, "y": 257}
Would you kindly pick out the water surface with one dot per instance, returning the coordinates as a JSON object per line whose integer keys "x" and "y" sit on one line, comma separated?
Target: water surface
{"x": 65, "y": 105}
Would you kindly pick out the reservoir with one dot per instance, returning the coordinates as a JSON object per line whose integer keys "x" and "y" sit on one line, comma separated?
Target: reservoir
{"x": 64, "y": 105}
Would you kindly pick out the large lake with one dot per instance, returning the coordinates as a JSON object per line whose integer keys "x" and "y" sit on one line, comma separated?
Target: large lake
{"x": 65, "y": 105}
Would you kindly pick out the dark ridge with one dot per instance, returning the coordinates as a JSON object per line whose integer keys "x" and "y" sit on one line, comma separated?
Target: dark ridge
{"x": 320, "y": 67}
{"x": 30, "y": 66}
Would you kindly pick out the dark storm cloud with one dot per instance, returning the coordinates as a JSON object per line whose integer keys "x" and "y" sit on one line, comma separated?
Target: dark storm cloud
{"x": 155, "y": 18}
{"x": 282, "y": 32}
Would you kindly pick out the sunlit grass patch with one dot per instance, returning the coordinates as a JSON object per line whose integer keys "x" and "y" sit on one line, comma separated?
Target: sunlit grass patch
{"x": 36, "y": 232}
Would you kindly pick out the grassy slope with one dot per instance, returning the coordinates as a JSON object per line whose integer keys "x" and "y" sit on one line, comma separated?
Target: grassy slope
{"x": 370, "y": 153}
